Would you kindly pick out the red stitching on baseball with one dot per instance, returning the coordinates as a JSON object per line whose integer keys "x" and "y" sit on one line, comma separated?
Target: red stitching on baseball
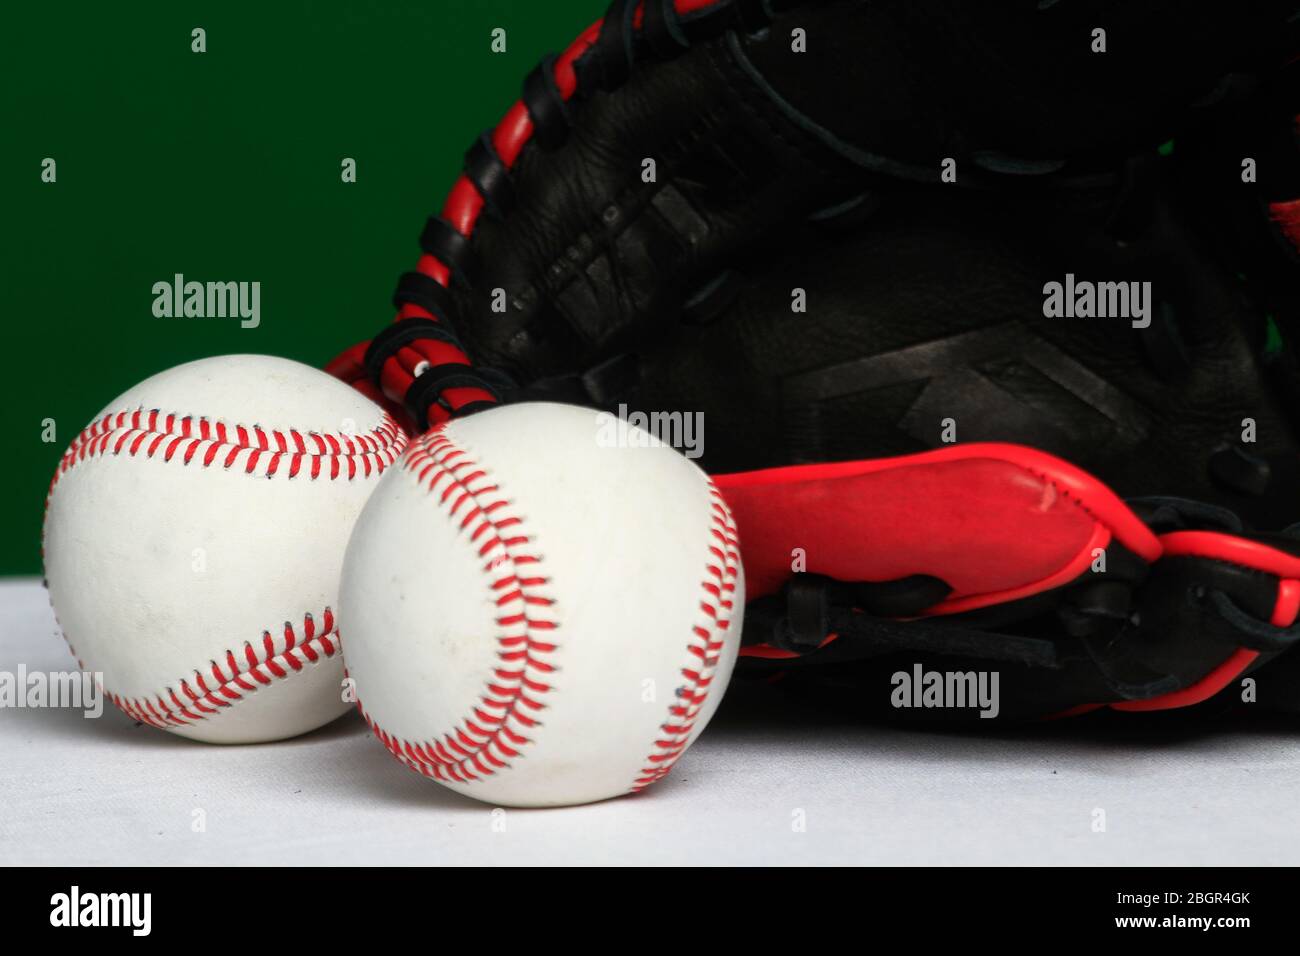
{"x": 485, "y": 740}
{"x": 127, "y": 432}
{"x": 196, "y": 698}
{"x": 705, "y": 645}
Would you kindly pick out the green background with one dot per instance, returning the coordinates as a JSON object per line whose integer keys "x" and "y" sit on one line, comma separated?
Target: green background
{"x": 224, "y": 166}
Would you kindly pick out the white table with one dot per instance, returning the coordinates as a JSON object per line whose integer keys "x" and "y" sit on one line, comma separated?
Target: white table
{"x": 77, "y": 791}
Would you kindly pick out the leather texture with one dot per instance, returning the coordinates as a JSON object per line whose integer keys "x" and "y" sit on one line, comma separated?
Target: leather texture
{"x": 1211, "y": 624}
{"x": 1014, "y": 85}
{"x": 591, "y": 252}
{"x": 750, "y": 137}
{"x": 1036, "y": 525}
{"x": 927, "y": 325}
{"x": 998, "y": 559}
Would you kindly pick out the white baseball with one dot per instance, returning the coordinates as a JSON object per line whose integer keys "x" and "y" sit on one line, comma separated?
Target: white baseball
{"x": 194, "y": 536}
{"x": 538, "y": 610}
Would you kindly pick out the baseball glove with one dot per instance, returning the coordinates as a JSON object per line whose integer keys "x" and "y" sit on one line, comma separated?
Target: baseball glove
{"x": 677, "y": 138}
{"x": 931, "y": 321}
{"x": 636, "y": 230}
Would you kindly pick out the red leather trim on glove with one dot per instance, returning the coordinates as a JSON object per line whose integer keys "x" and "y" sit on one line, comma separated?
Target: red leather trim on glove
{"x": 997, "y": 522}
{"x": 1251, "y": 554}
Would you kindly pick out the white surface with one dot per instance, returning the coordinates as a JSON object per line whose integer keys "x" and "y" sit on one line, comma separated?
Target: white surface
{"x": 529, "y": 601}
{"x": 77, "y": 791}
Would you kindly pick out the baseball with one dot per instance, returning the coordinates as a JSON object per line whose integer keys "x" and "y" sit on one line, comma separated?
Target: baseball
{"x": 540, "y": 607}
{"x": 194, "y": 534}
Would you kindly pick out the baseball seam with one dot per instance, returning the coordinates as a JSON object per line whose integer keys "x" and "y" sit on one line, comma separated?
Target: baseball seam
{"x": 207, "y": 695}
{"x": 226, "y": 687}
{"x": 704, "y": 647}
{"x": 496, "y": 731}
{"x": 151, "y": 432}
